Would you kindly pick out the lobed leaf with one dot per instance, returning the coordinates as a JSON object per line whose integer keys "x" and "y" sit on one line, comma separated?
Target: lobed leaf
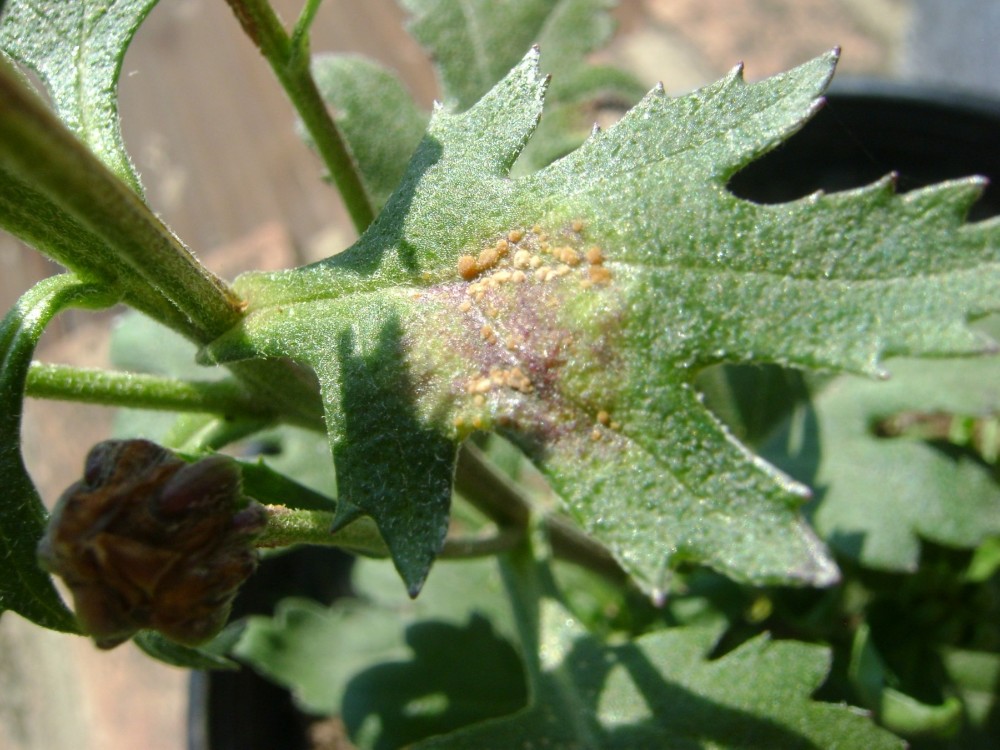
{"x": 77, "y": 49}
{"x": 660, "y": 690}
{"x": 401, "y": 670}
{"x": 878, "y": 497}
{"x": 474, "y": 44}
{"x": 571, "y": 310}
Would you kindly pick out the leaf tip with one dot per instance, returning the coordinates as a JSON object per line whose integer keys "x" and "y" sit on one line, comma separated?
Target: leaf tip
{"x": 414, "y": 588}
{"x": 821, "y": 570}
{"x": 659, "y": 597}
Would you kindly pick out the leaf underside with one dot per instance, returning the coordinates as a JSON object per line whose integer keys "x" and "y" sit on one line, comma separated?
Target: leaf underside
{"x": 571, "y": 309}
{"x": 77, "y": 50}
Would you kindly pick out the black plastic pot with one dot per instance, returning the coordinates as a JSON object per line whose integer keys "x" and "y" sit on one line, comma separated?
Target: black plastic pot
{"x": 867, "y": 129}
{"x": 241, "y": 710}
{"x": 871, "y": 128}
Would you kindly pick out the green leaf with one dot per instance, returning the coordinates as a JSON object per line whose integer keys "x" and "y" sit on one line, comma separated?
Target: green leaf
{"x": 661, "y": 690}
{"x": 571, "y": 310}
{"x": 985, "y": 561}
{"x": 77, "y": 49}
{"x": 976, "y": 674}
{"x": 396, "y": 670}
{"x": 895, "y": 710}
{"x": 24, "y": 587}
{"x": 376, "y": 116}
{"x": 877, "y": 497}
{"x": 474, "y": 44}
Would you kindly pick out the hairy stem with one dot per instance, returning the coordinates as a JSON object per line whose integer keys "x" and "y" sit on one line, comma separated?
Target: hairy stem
{"x": 482, "y": 485}
{"x": 289, "y": 58}
{"x": 141, "y": 391}
{"x": 288, "y": 526}
{"x": 136, "y": 250}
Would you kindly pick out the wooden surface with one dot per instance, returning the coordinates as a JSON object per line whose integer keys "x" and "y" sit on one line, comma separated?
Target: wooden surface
{"x": 213, "y": 138}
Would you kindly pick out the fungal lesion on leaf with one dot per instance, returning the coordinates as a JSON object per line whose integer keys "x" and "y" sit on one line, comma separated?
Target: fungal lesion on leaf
{"x": 517, "y": 296}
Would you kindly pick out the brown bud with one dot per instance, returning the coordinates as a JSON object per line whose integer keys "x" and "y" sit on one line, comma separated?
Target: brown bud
{"x": 146, "y": 540}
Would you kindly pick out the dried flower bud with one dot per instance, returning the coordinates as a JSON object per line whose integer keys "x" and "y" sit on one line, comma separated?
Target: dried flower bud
{"x": 147, "y": 540}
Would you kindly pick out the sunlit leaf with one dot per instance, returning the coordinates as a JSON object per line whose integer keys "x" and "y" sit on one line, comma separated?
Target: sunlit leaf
{"x": 571, "y": 310}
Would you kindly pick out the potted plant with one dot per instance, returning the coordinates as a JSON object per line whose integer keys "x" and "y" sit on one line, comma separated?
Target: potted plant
{"x": 506, "y": 369}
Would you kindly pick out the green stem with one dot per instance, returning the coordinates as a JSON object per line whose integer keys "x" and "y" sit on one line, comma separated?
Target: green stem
{"x": 57, "y": 195}
{"x": 300, "y": 33}
{"x": 290, "y": 526}
{"x": 199, "y": 434}
{"x": 139, "y": 252}
{"x": 289, "y": 58}
{"x": 483, "y": 485}
{"x": 141, "y": 391}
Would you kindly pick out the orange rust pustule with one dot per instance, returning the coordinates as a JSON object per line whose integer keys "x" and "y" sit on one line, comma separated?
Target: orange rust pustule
{"x": 146, "y": 540}
{"x": 468, "y": 269}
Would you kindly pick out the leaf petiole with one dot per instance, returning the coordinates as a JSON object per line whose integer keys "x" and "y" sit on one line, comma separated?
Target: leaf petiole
{"x": 127, "y": 244}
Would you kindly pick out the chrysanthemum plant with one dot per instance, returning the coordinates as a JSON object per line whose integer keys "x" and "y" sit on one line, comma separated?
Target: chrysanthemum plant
{"x": 509, "y": 368}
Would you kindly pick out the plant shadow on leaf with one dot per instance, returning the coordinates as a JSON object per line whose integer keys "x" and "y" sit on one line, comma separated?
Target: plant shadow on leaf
{"x": 391, "y": 465}
{"x": 691, "y": 715}
{"x": 388, "y": 231}
{"x": 458, "y": 675}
